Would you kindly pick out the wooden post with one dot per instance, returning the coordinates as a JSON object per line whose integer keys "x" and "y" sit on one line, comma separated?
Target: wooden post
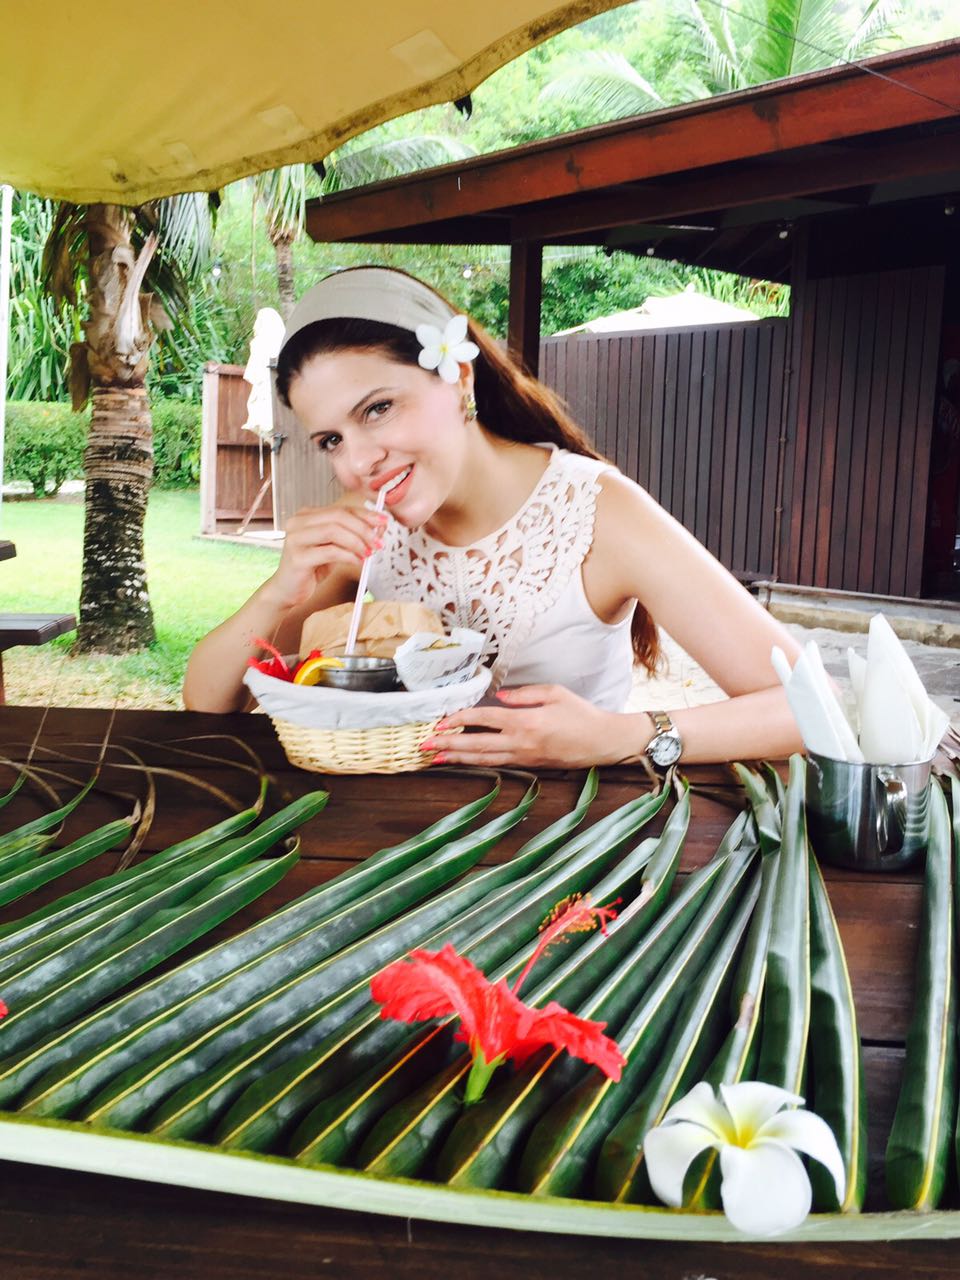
{"x": 210, "y": 420}
{"x": 526, "y": 287}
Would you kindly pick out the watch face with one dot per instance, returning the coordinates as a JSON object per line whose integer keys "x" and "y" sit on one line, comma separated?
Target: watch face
{"x": 665, "y": 749}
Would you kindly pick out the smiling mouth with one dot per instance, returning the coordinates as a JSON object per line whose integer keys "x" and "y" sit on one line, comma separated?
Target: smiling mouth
{"x": 396, "y": 481}
{"x": 395, "y": 489}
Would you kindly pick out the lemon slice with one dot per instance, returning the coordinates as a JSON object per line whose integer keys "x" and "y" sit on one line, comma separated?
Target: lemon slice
{"x": 309, "y": 671}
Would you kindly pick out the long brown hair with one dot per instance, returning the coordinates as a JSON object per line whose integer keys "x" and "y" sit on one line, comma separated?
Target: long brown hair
{"x": 510, "y": 403}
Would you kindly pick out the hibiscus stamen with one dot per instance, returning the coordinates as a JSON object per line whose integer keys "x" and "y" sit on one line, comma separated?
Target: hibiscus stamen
{"x": 575, "y": 914}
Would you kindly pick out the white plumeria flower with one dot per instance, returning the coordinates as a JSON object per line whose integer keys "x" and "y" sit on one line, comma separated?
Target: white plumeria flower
{"x": 445, "y": 351}
{"x": 764, "y": 1186}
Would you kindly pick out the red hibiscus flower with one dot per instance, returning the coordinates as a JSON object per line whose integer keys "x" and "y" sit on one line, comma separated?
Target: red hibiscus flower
{"x": 494, "y": 1021}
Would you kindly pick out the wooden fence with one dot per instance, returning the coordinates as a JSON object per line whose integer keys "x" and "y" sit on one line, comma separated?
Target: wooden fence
{"x": 797, "y": 449}
{"x": 693, "y": 415}
{"x": 230, "y": 458}
{"x": 857, "y": 455}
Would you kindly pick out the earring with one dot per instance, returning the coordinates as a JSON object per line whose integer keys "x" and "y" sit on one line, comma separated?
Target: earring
{"x": 469, "y": 406}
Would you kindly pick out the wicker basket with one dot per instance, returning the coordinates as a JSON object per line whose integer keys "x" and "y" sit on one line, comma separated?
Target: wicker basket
{"x": 393, "y": 748}
{"x": 402, "y": 721}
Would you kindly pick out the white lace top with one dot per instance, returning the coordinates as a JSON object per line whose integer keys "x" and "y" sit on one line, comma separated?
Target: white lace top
{"x": 522, "y": 587}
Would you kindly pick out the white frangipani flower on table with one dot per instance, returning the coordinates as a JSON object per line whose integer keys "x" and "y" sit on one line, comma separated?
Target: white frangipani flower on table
{"x": 445, "y": 350}
{"x": 765, "y": 1188}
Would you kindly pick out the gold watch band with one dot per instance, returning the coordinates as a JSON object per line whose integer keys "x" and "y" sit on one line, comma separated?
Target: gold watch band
{"x": 661, "y": 721}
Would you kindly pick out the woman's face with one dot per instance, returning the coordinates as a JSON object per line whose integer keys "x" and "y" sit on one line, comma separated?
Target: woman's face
{"x": 377, "y": 419}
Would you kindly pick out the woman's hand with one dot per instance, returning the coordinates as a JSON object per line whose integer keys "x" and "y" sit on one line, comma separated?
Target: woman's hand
{"x": 319, "y": 538}
{"x": 540, "y": 724}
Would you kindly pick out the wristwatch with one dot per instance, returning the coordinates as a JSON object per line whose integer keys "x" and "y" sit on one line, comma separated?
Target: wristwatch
{"x": 666, "y": 745}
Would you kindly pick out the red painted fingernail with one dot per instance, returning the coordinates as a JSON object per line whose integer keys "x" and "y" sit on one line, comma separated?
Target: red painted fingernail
{"x": 429, "y": 745}
{"x": 440, "y": 726}
{"x": 441, "y": 758}
{"x": 378, "y": 543}
{"x": 368, "y": 552}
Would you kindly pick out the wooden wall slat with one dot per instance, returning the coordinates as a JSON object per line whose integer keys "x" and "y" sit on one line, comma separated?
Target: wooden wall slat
{"x": 694, "y": 429}
{"x": 878, "y": 385}
{"x": 846, "y": 399}
{"x": 860, "y": 433}
{"x": 894, "y": 411}
{"x": 729, "y": 459}
{"x": 705, "y": 434}
{"x": 796, "y": 468}
{"x": 932, "y": 287}
{"x": 748, "y": 390}
{"x": 829, "y": 389}
{"x": 768, "y": 513}
{"x": 714, "y": 487}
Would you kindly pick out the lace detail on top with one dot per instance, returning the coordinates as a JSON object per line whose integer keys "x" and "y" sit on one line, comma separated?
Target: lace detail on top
{"x": 501, "y": 584}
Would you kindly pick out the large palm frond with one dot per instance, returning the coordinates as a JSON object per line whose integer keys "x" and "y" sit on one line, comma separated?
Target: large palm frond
{"x": 378, "y": 161}
{"x": 606, "y": 84}
{"x": 876, "y": 31}
{"x": 63, "y": 253}
{"x": 283, "y": 194}
{"x": 718, "y": 52}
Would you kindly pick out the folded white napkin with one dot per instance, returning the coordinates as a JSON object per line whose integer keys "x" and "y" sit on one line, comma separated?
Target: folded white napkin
{"x": 891, "y": 719}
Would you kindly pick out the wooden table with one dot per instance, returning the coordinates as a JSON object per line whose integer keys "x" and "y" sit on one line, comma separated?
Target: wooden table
{"x": 54, "y": 1223}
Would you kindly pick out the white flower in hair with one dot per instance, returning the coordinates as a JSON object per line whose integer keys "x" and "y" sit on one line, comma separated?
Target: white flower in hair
{"x": 446, "y": 350}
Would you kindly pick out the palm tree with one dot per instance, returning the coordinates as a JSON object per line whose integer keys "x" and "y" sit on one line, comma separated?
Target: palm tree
{"x": 283, "y": 195}
{"x": 283, "y": 192}
{"x": 724, "y": 45}
{"x": 135, "y": 265}
{"x": 753, "y": 41}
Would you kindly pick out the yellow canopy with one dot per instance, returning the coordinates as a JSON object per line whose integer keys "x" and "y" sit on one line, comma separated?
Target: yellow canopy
{"x": 119, "y": 102}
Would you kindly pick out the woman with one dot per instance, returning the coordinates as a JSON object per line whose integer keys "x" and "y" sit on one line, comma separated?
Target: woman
{"x": 499, "y": 515}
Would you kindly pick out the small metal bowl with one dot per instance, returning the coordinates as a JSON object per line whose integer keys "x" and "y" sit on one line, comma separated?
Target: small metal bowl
{"x": 362, "y": 675}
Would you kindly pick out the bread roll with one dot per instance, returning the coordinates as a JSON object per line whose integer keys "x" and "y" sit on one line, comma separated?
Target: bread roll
{"x": 384, "y": 625}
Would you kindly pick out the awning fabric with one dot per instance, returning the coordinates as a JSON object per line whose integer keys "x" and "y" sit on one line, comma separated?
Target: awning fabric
{"x": 123, "y": 103}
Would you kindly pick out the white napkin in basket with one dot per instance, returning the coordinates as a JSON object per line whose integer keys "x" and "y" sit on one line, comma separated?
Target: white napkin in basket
{"x": 318, "y": 707}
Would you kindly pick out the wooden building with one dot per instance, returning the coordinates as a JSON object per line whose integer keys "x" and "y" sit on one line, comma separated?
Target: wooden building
{"x": 817, "y": 450}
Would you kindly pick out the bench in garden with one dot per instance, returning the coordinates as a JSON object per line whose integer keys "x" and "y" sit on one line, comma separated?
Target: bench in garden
{"x": 31, "y": 629}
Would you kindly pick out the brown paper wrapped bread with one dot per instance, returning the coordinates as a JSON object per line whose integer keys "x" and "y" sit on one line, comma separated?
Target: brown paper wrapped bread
{"x": 384, "y": 625}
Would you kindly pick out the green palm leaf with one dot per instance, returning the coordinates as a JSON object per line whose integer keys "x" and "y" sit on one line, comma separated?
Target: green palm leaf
{"x": 604, "y": 82}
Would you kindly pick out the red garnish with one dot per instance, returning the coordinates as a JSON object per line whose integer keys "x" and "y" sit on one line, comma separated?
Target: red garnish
{"x": 276, "y": 665}
{"x": 3, "y": 1010}
{"x": 494, "y": 1021}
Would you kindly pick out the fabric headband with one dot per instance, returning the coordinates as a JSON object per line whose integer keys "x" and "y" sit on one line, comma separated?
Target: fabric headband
{"x": 370, "y": 293}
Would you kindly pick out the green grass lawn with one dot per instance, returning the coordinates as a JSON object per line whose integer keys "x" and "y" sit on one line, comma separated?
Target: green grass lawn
{"x": 194, "y": 584}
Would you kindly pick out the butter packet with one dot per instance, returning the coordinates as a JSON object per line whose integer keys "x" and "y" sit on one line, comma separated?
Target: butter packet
{"x": 429, "y": 661}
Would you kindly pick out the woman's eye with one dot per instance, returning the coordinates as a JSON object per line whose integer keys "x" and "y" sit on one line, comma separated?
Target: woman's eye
{"x": 377, "y": 410}
{"x": 327, "y": 443}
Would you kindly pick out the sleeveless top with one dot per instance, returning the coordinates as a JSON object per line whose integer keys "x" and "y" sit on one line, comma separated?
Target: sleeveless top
{"x": 522, "y": 587}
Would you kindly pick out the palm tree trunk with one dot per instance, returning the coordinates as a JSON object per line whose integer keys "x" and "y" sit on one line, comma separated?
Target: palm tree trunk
{"x": 283, "y": 249}
{"x": 115, "y": 612}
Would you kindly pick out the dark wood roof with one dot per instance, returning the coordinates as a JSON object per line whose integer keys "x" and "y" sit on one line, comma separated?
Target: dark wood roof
{"x": 719, "y": 181}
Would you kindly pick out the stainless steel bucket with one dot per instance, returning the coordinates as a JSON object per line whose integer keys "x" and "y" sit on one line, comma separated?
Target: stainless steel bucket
{"x": 872, "y": 817}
